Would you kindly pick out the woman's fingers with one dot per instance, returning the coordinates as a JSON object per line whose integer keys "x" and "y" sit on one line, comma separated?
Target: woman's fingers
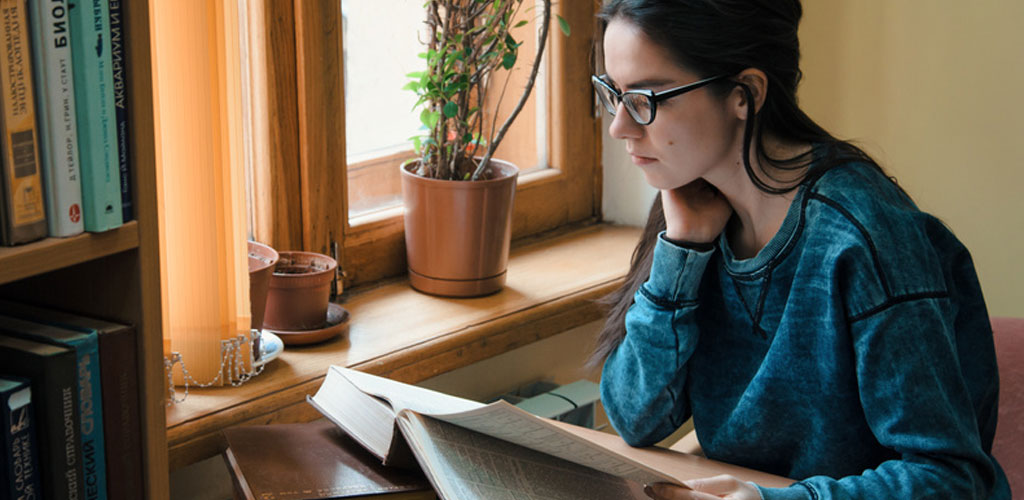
{"x": 668, "y": 491}
{"x": 711, "y": 488}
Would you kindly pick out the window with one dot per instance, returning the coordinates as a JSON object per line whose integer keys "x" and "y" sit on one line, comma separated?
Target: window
{"x": 305, "y": 190}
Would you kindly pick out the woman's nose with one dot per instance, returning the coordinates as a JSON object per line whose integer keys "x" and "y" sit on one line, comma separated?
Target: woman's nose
{"x": 623, "y": 126}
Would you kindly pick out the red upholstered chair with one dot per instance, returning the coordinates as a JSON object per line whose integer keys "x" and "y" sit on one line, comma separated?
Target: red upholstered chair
{"x": 1008, "y": 447}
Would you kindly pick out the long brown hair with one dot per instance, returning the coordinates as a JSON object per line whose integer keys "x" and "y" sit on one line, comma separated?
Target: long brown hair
{"x": 712, "y": 37}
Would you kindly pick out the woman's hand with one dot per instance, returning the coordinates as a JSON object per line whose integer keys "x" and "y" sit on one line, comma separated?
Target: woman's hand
{"x": 712, "y": 488}
{"x": 695, "y": 213}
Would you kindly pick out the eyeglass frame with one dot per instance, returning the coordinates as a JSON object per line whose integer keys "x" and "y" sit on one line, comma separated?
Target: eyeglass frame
{"x": 652, "y": 97}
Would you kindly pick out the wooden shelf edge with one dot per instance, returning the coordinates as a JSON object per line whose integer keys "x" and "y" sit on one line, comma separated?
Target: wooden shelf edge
{"x": 50, "y": 254}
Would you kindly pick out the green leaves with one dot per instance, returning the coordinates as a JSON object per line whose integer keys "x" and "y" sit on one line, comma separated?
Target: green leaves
{"x": 451, "y": 109}
{"x": 563, "y": 25}
{"x": 465, "y": 42}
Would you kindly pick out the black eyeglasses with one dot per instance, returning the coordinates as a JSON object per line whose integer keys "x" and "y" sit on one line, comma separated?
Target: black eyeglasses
{"x": 641, "y": 104}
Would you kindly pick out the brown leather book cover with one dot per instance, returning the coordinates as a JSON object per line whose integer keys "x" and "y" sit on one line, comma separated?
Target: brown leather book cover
{"x": 316, "y": 460}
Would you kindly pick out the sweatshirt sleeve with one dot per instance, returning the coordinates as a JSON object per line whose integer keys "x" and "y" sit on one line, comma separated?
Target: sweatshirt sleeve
{"x": 643, "y": 379}
{"x": 918, "y": 405}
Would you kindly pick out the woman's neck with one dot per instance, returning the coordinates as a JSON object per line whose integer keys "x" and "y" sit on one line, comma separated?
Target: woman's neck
{"x": 757, "y": 215}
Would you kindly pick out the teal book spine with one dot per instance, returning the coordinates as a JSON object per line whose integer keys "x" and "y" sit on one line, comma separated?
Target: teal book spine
{"x": 90, "y": 397}
{"x": 97, "y": 123}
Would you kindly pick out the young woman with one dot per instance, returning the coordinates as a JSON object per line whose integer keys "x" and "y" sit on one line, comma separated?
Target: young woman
{"x": 786, "y": 293}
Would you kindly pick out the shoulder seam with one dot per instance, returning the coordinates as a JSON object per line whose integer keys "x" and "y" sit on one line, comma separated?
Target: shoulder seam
{"x": 897, "y": 300}
{"x": 864, "y": 232}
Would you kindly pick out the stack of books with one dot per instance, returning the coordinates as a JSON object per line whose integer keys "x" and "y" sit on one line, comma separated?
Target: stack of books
{"x": 69, "y": 389}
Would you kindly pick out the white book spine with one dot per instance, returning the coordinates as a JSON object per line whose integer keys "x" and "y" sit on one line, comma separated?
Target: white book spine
{"x": 55, "y": 106}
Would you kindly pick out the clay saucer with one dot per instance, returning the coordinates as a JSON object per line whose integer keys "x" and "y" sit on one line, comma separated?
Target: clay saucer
{"x": 336, "y": 324}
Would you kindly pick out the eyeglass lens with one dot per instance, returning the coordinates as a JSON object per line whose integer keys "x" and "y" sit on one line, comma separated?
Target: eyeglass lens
{"x": 638, "y": 106}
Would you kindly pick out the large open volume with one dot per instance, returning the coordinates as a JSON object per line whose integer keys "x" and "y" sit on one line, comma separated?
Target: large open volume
{"x": 473, "y": 451}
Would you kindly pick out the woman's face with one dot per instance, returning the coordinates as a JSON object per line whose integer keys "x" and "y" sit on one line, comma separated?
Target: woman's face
{"x": 692, "y": 135}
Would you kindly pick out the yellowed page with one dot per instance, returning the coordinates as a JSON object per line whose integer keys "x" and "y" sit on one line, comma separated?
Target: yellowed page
{"x": 467, "y": 465}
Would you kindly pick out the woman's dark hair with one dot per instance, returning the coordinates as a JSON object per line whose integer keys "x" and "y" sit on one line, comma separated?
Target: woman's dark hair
{"x": 716, "y": 37}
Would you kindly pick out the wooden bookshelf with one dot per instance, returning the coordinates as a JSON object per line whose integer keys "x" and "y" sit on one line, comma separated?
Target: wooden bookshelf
{"x": 52, "y": 254}
{"x": 115, "y": 274}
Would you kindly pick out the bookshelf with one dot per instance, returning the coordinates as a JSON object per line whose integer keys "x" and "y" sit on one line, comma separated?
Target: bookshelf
{"x": 115, "y": 274}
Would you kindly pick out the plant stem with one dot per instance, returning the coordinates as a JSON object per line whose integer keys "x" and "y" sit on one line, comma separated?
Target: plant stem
{"x": 542, "y": 40}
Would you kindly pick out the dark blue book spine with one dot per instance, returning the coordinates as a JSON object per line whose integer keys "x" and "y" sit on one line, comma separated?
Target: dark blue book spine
{"x": 19, "y": 461}
{"x": 120, "y": 67}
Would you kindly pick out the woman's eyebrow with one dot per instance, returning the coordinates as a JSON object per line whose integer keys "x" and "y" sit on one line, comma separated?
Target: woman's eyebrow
{"x": 647, "y": 83}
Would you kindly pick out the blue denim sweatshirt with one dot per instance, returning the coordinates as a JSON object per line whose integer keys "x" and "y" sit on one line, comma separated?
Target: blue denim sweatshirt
{"x": 853, "y": 353}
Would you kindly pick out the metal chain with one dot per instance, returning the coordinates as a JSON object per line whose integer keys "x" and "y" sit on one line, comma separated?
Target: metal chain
{"x": 230, "y": 360}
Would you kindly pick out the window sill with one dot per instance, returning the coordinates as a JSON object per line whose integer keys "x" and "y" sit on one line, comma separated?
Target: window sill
{"x": 409, "y": 336}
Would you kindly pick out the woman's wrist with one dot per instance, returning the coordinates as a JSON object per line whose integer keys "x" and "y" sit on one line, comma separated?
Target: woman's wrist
{"x": 700, "y": 246}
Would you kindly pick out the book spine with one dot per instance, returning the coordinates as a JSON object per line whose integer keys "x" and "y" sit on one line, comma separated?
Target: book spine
{"x": 120, "y": 67}
{"x": 25, "y": 213}
{"x": 94, "y": 103}
{"x": 121, "y": 420}
{"x": 54, "y": 386}
{"x": 55, "y": 109}
{"x": 20, "y": 455}
{"x": 122, "y": 432}
{"x": 90, "y": 403}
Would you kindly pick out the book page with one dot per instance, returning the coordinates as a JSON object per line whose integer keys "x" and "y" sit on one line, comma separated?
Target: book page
{"x": 408, "y": 396}
{"x": 464, "y": 464}
{"x": 503, "y": 421}
{"x": 363, "y": 416}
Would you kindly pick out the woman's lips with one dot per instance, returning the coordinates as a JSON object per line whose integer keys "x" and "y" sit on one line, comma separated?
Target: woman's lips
{"x": 642, "y": 160}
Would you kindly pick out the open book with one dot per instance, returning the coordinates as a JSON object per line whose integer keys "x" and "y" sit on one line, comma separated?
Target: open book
{"x": 469, "y": 450}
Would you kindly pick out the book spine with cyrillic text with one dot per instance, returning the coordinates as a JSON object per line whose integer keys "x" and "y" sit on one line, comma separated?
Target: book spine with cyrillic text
{"x": 94, "y": 102}
{"x": 90, "y": 398}
{"x": 52, "y": 370}
{"x": 22, "y": 183}
{"x": 120, "y": 68}
{"x": 19, "y": 458}
{"x": 122, "y": 432}
{"x": 55, "y": 110}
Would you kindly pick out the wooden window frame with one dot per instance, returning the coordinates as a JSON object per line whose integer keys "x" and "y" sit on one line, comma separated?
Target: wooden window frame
{"x": 299, "y": 180}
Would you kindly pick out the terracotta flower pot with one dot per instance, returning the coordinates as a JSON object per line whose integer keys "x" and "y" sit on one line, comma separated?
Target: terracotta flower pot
{"x": 300, "y": 289}
{"x": 457, "y": 233}
{"x": 262, "y": 260}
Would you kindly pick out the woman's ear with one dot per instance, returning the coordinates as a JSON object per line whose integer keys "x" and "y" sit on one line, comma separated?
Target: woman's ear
{"x": 755, "y": 80}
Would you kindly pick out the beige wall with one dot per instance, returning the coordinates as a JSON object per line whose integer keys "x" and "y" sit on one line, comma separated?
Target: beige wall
{"x": 933, "y": 89}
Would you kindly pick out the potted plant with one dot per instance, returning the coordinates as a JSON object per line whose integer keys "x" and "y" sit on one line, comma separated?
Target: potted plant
{"x": 458, "y": 202}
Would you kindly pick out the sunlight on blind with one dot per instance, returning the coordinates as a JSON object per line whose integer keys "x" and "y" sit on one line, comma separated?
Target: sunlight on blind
{"x": 200, "y": 182}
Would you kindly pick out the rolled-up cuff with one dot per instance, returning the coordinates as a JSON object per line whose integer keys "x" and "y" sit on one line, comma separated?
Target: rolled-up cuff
{"x": 676, "y": 271}
{"x": 797, "y": 491}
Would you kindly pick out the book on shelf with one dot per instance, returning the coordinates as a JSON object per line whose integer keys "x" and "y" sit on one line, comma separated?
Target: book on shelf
{"x": 55, "y": 109}
{"x": 19, "y": 458}
{"x": 119, "y": 66}
{"x": 53, "y": 372}
{"x": 313, "y": 461}
{"x": 90, "y": 401}
{"x": 469, "y": 450}
{"x": 122, "y": 431}
{"x": 94, "y": 103}
{"x": 21, "y": 184}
